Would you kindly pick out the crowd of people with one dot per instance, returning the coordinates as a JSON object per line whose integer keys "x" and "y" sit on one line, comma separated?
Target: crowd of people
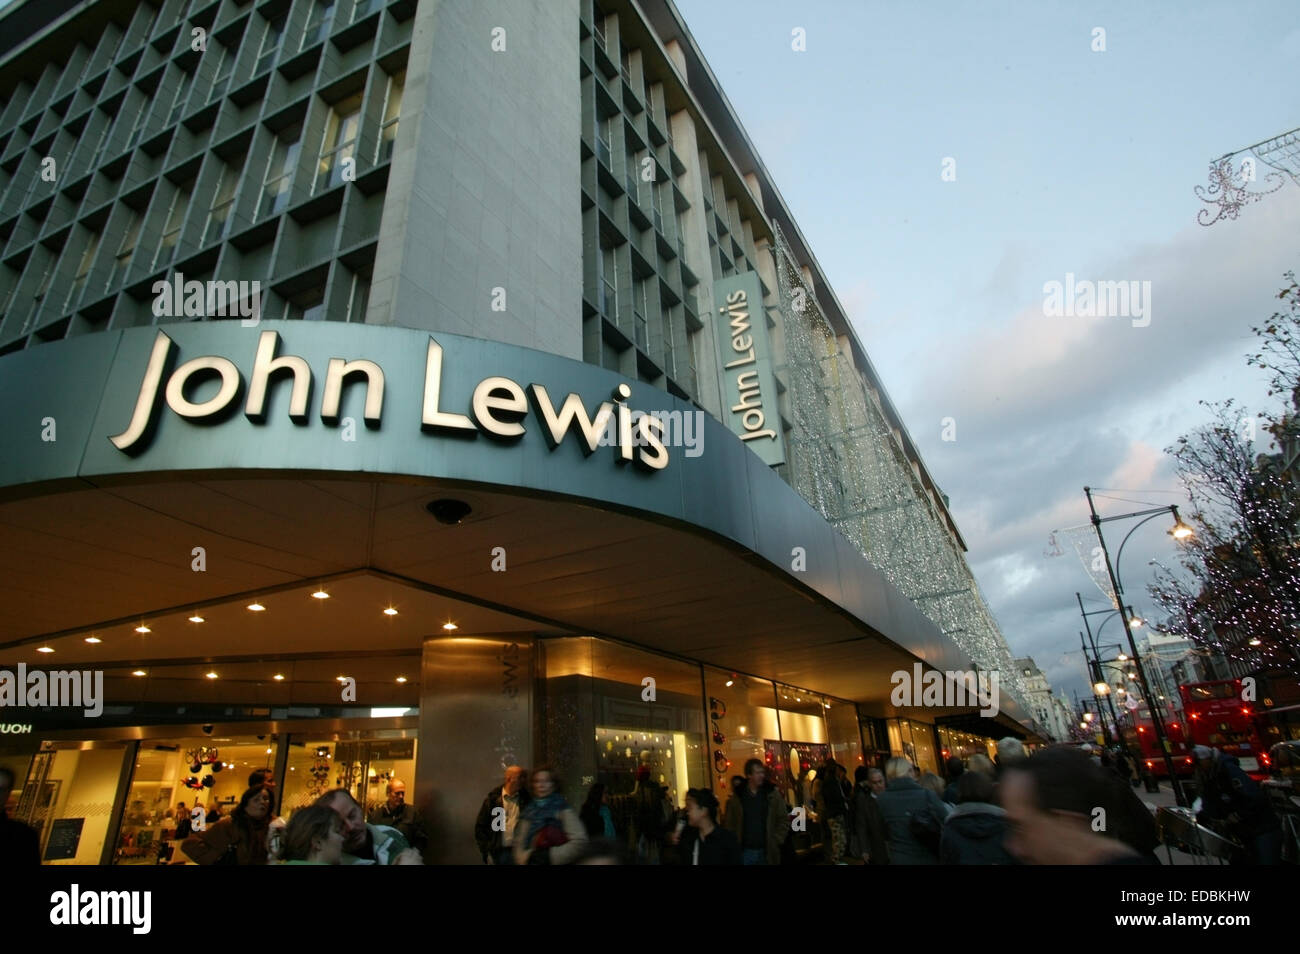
{"x": 1057, "y": 806}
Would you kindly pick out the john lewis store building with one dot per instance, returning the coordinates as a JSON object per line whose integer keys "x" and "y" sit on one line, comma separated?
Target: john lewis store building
{"x": 434, "y": 532}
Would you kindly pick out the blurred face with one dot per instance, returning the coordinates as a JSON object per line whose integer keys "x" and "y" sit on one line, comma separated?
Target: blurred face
{"x": 695, "y": 815}
{"x": 514, "y": 780}
{"x": 259, "y": 806}
{"x": 330, "y": 849}
{"x": 1034, "y": 836}
{"x": 543, "y": 784}
{"x": 876, "y": 779}
{"x": 757, "y": 776}
{"x": 396, "y": 794}
{"x": 354, "y": 822}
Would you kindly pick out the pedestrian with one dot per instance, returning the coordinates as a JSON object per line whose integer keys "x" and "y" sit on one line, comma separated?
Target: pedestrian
{"x": 1237, "y": 806}
{"x": 704, "y": 841}
{"x": 913, "y": 816}
{"x": 974, "y": 833}
{"x": 20, "y": 846}
{"x": 549, "y": 831}
{"x": 834, "y": 809}
{"x": 240, "y": 839}
{"x": 1124, "y": 769}
{"x": 595, "y": 813}
{"x": 868, "y": 838}
{"x": 651, "y": 818}
{"x": 935, "y": 784}
{"x": 314, "y": 837}
{"x": 214, "y": 814}
{"x": 184, "y": 824}
{"x": 396, "y": 813}
{"x": 494, "y": 829}
{"x": 757, "y": 816}
{"x": 1051, "y": 802}
{"x": 1010, "y": 751}
{"x": 363, "y": 843}
{"x": 954, "y": 768}
{"x": 982, "y": 763}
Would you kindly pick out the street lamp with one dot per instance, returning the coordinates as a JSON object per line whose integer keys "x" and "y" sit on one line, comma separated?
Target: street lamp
{"x": 1180, "y": 531}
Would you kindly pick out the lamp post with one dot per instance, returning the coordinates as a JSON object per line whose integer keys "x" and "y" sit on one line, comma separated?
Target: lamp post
{"x": 1100, "y": 686}
{"x": 1180, "y": 531}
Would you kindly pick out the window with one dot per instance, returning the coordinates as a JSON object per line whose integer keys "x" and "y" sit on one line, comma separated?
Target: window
{"x": 178, "y": 100}
{"x": 279, "y": 173}
{"x": 270, "y": 45}
{"x": 608, "y": 288}
{"x": 340, "y": 142}
{"x": 180, "y": 204}
{"x": 126, "y": 250}
{"x": 318, "y": 23}
{"x": 138, "y": 126}
{"x": 640, "y": 309}
{"x": 392, "y": 112}
{"x": 218, "y": 224}
{"x": 225, "y": 67}
{"x": 363, "y": 8}
{"x": 83, "y": 269}
{"x": 358, "y": 299}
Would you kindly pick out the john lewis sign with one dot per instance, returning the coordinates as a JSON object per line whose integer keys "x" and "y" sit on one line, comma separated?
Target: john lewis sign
{"x": 745, "y": 365}
{"x": 498, "y": 405}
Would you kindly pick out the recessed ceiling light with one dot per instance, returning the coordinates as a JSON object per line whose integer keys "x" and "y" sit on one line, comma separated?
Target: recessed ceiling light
{"x": 142, "y": 628}
{"x": 256, "y": 607}
{"x": 44, "y": 649}
{"x": 401, "y": 679}
{"x": 320, "y": 595}
{"x": 212, "y": 675}
{"x": 730, "y": 683}
{"x": 196, "y": 618}
{"x": 340, "y": 678}
{"x": 390, "y": 612}
{"x": 139, "y": 672}
{"x": 449, "y": 626}
{"x": 93, "y": 639}
{"x": 278, "y": 677}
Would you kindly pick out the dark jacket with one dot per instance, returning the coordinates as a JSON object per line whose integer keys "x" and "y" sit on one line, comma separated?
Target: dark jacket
{"x": 778, "y": 821}
{"x": 226, "y": 843}
{"x": 899, "y": 802}
{"x": 19, "y": 845}
{"x": 1228, "y": 791}
{"x": 488, "y": 840}
{"x": 950, "y": 791}
{"x": 973, "y": 835}
{"x": 868, "y": 836}
{"x": 407, "y": 820}
{"x": 720, "y": 848}
{"x": 834, "y": 798}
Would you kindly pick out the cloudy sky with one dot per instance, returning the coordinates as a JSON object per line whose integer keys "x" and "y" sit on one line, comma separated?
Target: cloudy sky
{"x": 1067, "y": 160}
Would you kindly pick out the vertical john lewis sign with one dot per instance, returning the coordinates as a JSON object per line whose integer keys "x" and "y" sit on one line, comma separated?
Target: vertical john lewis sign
{"x": 745, "y": 363}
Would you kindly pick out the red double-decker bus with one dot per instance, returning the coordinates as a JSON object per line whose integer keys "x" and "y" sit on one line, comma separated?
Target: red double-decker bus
{"x": 1219, "y": 717}
{"x": 1140, "y": 737}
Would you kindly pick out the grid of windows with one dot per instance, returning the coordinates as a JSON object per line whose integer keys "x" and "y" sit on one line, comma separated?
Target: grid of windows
{"x": 188, "y": 159}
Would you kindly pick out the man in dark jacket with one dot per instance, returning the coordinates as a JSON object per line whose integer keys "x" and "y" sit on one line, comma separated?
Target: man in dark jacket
{"x": 973, "y": 833}
{"x": 757, "y": 816}
{"x": 903, "y": 801}
{"x": 494, "y": 829}
{"x": 868, "y": 839}
{"x": 1232, "y": 802}
{"x": 705, "y": 841}
{"x": 395, "y": 813}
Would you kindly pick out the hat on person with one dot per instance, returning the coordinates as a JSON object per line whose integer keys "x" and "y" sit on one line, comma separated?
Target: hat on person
{"x": 1203, "y": 752}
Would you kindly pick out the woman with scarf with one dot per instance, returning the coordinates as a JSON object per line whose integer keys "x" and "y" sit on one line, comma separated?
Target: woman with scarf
{"x": 549, "y": 831}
